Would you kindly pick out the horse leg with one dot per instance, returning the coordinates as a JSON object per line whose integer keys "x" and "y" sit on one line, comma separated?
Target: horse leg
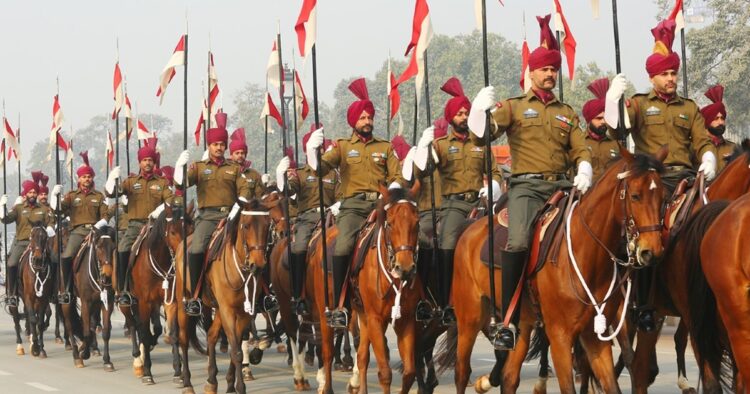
{"x": 224, "y": 345}
{"x": 510, "y": 363}
{"x": 211, "y": 338}
{"x": 376, "y": 334}
{"x": 58, "y": 313}
{"x": 600, "y": 359}
{"x": 711, "y": 382}
{"x": 406, "y": 337}
{"x": 562, "y": 358}
{"x": 68, "y": 316}
{"x": 468, "y": 325}
{"x": 87, "y": 329}
{"x": 17, "y": 325}
{"x": 31, "y": 323}
{"x": 172, "y": 332}
{"x": 338, "y": 365}
{"x": 106, "y": 334}
{"x": 358, "y": 381}
{"x": 183, "y": 323}
{"x": 144, "y": 333}
{"x": 325, "y": 377}
{"x": 300, "y": 382}
{"x": 680, "y": 343}
{"x": 645, "y": 346}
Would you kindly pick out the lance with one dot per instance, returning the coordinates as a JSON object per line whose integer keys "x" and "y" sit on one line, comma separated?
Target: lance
{"x": 184, "y": 169}
{"x": 430, "y": 164}
{"x": 388, "y": 99}
{"x": 18, "y": 138}
{"x": 265, "y": 139}
{"x": 416, "y": 117}
{"x": 117, "y": 181}
{"x": 70, "y": 170}
{"x": 5, "y": 225}
{"x": 294, "y": 109}
{"x": 63, "y": 281}
{"x": 488, "y": 169}
{"x": 560, "y": 71}
{"x": 618, "y": 68}
{"x": 208, "y": 98}
{"x": 684, "y": 63}
{"x": 127, "y": 134}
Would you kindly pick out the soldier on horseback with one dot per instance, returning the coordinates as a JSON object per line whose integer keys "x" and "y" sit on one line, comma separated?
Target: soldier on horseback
{"x": 220, "y": 184}
{"x": 144, "y": 193}
{"x": 604, "y": 150}
{"x": 87, "y": 209}
{"x": 545, "y": 140}
{"x": 26, "y": 213}
{"x": 364, "y": 163}
{"x": 662, "y": 117}
{"x": 715, "y": 119}
{"x": 303, "y": 182}
{"x": 460, "y": 163}
{"x": 238, "y": 154}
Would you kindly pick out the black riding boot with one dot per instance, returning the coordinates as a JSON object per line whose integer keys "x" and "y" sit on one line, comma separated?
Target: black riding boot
{"x": 339, "y": 316}
{"x": 11, "y": 291}
{"x": 424, "y": 310}
{"x": 193, "y": 306}
{"x": 512, "y": 270}
{"x": 646, "y": 320}
{"x": 124, "y": 298}
{"x": 66, "y": 265}
{"x": 445, "y": 281}
{"x": 297, "y": 272}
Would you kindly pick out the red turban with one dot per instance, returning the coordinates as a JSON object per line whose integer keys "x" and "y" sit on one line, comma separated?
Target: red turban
{"x": 441, "y": 127}
{"x": 400, "y": 146}
{"x": 168, "y": 173}
{"x": 43, "y": 184}
{"x": 716, "y": 95}
{"x": 148, "y": 150}
{"x": 459, "y": 100}
{"x": 218, "y": 133}
{"x": 237, "y": 141}
{"x": 29, "y": 186}
{"x": 359, "y": 88}
{"x": 85, "y": 169}
{"x": 548, "y": 53}
{"x": 594, "y": 107}
{"x": 663, "y": 58}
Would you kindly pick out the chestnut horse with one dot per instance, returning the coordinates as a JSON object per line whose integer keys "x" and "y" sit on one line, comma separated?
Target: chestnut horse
{"x": 151, "y": 283}
{"x": 626, "y": 200}
{"x": 389, "y": 290}
{"x": 38, "y": 285}
{"x": 673, "y": 299}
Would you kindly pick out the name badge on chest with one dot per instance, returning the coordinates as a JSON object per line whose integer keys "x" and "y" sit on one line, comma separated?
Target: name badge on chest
{"x": 530, "y": 113}
{"x": 353, "y": 153}
{"x": 208, "y": 171}
{"x": 453, "y": 149}
{"x": 652, "y": 111}
{"x": 311, "y": 178}
{"x": 137, "y": 186}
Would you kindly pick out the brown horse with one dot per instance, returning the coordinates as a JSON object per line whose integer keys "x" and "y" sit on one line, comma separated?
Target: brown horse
{"x": 388, "y": 290}
{"x": 151, "y": 282}
{"x": 626, "y": 200}
{"x": 673, "y": 299}
{"x": 38, "y": 284}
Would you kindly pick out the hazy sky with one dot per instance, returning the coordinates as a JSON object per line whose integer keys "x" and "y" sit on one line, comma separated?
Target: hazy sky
{"x": 75, "y": 40}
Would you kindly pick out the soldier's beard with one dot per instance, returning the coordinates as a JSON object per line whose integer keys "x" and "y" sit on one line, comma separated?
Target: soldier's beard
{"x": 365, "y": 131}
{"x": 717, "y": 131}
{"x": 31, "y": 200}
{"x": 462, "y": 127}
{"x": 600, "y": 131}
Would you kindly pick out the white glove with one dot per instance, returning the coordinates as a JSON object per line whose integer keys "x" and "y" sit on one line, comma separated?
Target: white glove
{"x": 234, "y": 211}
{"x": 316, "y": 140}
{"x": 612, "y": 101}
{"x": 53, "y": 196}
{"x": 280, "y": 171}
{"x": 181, "y": 162}
{"x": 335, "y": 208}
{"x": 582, "y": 181}
{"x": 50, "y": 231}
{"x": 428, "y": 135}
{"x": 204, "y": 157}
{"x": 124, "y": 200}
{"x": 708, "y": 166}
{"x": 265, "y": 178}
{"x": 4, "y": 200}
{"x": 496, "y": 191}
{"x": 156, "y": 212}
{"x": 484, "y": 101}
{"x": 19, "y": 200}
{"x": 407, "y": 168}
{"x": 114, "y": 175}
{"x": 394, "y": 185}
{"x": 101, "y": 223}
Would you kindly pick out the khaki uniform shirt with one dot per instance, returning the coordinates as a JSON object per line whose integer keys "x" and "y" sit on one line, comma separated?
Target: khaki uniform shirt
{"x": 424, "y": 201}
{"x": 122, "y": 216}
{"x": 27, "y": 216}
{"x": 362, "y": 165}
{"x": 543, "y": 138}
{"x": 461, "y": 165}
{"x": 144, "y": 195}
{"x": 254, "y": 182}
{"x": 723, "y": 153}
{"x": 677, "y": 124}
{"x": 84, "y": 208}
{"x": 218, "y": 185}
{"x": 603, "y": 153}
{"x": 304, "y": 183}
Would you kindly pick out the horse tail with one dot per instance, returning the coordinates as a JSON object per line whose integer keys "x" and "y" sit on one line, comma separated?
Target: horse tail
{"x": 445, "y": 358}
{"x": 195, "y": 342}
{"x": 539, "y": 344}
{"x": 704, "y": 315}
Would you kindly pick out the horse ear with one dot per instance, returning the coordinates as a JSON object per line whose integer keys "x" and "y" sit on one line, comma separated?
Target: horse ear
{"x": 662, "y": 153}
{"x": 383, "y": 191}
{"x": 414, "y": 191}
{"x": 625, "y": 154}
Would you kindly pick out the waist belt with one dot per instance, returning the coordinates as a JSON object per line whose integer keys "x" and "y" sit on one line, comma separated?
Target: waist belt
{"x": 86, "y": 226}
{"x": 468, "y": 196}
{"x": 316, "y": 209}
{"x": 368, "y": 196}
{"x": 543, "y": 177}
{"x": 675, "y": 168}
{"x": 218, "y": 209}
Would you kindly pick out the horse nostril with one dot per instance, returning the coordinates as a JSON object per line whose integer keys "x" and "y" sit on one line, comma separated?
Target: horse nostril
{"x": 646, "y": 256}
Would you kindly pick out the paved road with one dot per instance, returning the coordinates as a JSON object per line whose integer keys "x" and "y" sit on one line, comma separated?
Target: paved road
{"x": 57, "y": 373}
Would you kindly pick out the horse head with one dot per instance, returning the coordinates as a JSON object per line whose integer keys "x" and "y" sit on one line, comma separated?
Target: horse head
{"x": 38, "y": 247}
{"x": 104, "y": 252}
{"x": 398, "y": 219}
{"x": 277, "y": 213}
{"x": 173, "y": 218}
{"x": 252, "y": 233}
{"x": 734, "y": 180}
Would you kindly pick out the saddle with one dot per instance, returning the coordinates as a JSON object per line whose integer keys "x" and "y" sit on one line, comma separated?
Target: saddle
{"x": 82, "y": 250}
{"x": 679, "y": 207}
{"x": 138, "y": 243}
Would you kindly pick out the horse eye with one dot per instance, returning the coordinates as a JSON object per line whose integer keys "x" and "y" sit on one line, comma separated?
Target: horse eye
{"x": 635, "y": 197}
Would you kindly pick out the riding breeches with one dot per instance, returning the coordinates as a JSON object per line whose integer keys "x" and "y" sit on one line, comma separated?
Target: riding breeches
{"x": 671, "y": 179}
{"x": 205, "y": 225}
{"x": 525, "y": 198}
{"x": 16, "y": 250}
{"x": 303, "y": 229}
{"x": 127, "y": 237}
{"x": 75, "y": 240}
{"x": 425, "y": 228}
{"x": 453, "y": 214}
{"x": 351, "y": 217}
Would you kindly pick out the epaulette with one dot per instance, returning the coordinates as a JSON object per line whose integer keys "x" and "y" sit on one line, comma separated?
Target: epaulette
{"x": 641, "y": 94}
{"x": 517, "y": 97}
{"x": 442, "y": 137}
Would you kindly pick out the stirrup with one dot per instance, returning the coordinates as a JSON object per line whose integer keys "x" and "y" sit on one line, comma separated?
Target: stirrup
{"x": 63, "y": 298}
{"x": 11, "y": 301}
{"x": 270, "y": 303}
{"x": 299, "y": 306}
{"x": 504, "y": 337}
{"x": 448, "y": 317}
{"x": 338, "y": 319}
{"x": 125, "y": 299}
{"x": 194, "y": 307}
{"x": 424, "y": 311}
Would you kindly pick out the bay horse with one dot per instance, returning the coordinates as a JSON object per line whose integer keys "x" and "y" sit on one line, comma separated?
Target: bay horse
{"x": 673, "y": 298}
{"x": 389, "y": 290}
{"x": 37, "y": 281}
{"x": 151, "y": 283}
{"x": 625, "y": 201}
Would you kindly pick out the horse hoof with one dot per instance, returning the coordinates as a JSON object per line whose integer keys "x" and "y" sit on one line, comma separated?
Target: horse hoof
{"x": 540, "y": 388}
{"x": 86, "y": 354}
{"x": 351, "y": 389}
{"x": 689, "y": 390}
{"x": 168, "y": 340}
{"x": 149, "y": 380}
{"x": 59, "y": 341}
{"x": 68, "y": 347}
{"x": 108, "y": 367}
{"x": 42, "y": 354}
{"x": 188, "y": 390}
{"x": 20, "y": 351}
{"x": 78, "y": 363}
{"x": 281, "y": 348}
{"x": 177, "y": 381}
{"x": 96, "y": 353}
{"x": 34, "y": 350}
{"x": 138, "y": 371}
{"x": 98, "y": 329}
{"x": 247, "y": 374}
{"x": 338, "y": 366}
{"x": 224, "y": 348}
{"x": 210, "y": 388}
{"x": 289, "y": 361}
{"x": 482, "y": 385}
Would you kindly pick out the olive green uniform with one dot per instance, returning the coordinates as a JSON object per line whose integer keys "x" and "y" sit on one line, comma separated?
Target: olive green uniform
{"x": 25, "y": 216}
{"x": 254, "y": 182}
{"x": 603, "y": 153}
{"x": 723, "y": 152}
{"x": 424, "y": 205}
{"x": 84, "y": 210}
{"x": 304, "y": 183}
{"x": 545, "y": 141}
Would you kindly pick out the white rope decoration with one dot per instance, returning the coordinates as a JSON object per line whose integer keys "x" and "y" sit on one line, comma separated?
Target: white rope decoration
{"x": 396, "y": 309}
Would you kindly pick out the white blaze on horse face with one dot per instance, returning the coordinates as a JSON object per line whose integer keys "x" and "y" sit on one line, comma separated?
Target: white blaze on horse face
{"x": 652, "y": 186}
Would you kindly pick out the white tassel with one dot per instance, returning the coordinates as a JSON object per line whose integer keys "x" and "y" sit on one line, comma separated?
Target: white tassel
{"x": 600, "y": 324}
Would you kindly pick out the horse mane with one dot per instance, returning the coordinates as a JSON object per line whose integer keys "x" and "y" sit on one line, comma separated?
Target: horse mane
{"x": 702, "y": 301}
{"x": 643, "y": 163}
{"x": 231, "y": 226}
{"x": 156, "y": 233}
{"x": 743, "y": 149}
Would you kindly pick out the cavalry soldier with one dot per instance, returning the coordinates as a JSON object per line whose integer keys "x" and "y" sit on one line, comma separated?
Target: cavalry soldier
{"x": 545, "y": 140}
{"x": 604, "y": 150}
{"x": 364, "y": 162}
{"x": 220, "y": 184}
{"x": 87, "y": 209}
{"x": 715, "y": 117}
{"x": 238, "y": 154}
{"x": 661, "y": 117}
{"x": 144, "y": 194}
{"x": 168, "y": 173}
{"x": 460, "y": 162}
{"x": 303, "y": 182}
{"x": 26, "y": 213}
{"x": 43, "y": 189}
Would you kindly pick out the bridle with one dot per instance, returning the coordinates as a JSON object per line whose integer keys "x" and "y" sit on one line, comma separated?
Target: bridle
{"x": 385, "y": 231}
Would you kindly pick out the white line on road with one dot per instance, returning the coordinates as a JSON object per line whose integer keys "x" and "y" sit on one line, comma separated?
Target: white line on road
{"x": 5, "y": 373}
{"x": 42, "y": 387}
